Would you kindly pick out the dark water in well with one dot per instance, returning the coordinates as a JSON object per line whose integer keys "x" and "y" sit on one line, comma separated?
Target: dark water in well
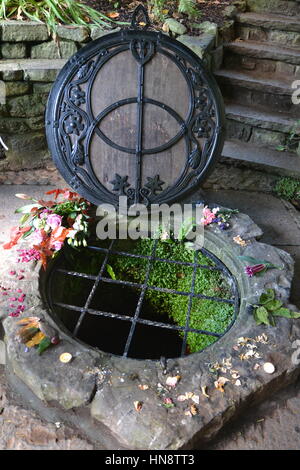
{"x": 110, "y": 334}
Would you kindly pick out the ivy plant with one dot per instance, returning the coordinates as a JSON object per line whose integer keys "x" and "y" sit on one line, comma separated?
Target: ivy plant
{"x": 269, "y": 308}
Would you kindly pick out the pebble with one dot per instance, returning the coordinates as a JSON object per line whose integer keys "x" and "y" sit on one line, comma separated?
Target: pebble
{"x": 269, "y": 368}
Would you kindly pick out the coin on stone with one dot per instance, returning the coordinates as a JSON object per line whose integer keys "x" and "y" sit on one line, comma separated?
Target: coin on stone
{"x": 65, "y": 357}
{"x": 269, "y": 368}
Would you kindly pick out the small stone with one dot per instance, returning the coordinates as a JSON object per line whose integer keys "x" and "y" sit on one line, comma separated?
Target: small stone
{"x": 175, "y": 27}
{"x": 269, "y": 368}
{"x": 73, "y": 33}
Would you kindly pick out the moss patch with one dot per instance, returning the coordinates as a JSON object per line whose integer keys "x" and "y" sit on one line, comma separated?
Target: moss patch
{"x": 206, "y": 315}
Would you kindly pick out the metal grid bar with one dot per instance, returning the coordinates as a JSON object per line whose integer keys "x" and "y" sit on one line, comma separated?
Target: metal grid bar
{"x": 92, "y": 293}
{"x": 188, "y": 314}
{"x": 140, "y": 301}
{"x": 135, "y": 319}
{"x": 163, "y": 260}
{"x": 138, "y": 320}
{"x": 158, "y": 289}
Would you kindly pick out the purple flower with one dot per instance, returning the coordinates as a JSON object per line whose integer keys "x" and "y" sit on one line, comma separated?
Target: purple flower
{"x": 45, "y": 213}
{"x": 38, "y": 236}
{"x": 54, "y": 221}
{"x": 252, "y": 270}
{"x": 57, "y": 245}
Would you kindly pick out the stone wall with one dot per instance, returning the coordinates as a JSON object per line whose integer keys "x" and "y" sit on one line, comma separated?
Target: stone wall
{"x": 30, "y": 61}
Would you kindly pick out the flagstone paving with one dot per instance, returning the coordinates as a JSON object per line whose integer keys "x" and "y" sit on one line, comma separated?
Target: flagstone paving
{"x": 275, "y": 424}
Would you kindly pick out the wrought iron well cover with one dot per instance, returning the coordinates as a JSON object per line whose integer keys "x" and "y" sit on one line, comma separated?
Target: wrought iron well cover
{"x": 135, "y": 113}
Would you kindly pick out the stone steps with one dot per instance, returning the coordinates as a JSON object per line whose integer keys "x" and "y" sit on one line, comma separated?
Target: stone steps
{"x": 253, "y": 89}
{"x": 263, "y": 58}
{"x": 288, "y": 7}
{"x": 260, "y": 128}
{"x": 268, "y": 27}
{"x": 260, "y": 157}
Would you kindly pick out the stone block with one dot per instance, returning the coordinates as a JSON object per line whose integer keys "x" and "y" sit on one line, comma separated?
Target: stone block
{"x": 98, "y": 32}
{"x": 284, "y": 68}
{"x": 10, "y": 125}
{"x": 247, "y": 63}
{"x": 16, "y": 88}
{"x": 19, "y": 31}
{"x": 198, "y": 44}
{"x": 8, "y": 75}
{"x": 175, "y": 26}
{"x": 42, "y": 87}
{"x": 217, "y": 58}
{"x": 288, "y": 38}
{"x": 13, "y": 51}
{"x": 27, "y": 105}
{"x": 40, "y": 75}
{"x": 73, "y": 33}
{"x": 263, "y": 137}
{"x": 54, "y": 50}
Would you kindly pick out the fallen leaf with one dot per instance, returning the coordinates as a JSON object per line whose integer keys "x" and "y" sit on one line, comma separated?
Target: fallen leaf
{"x": 219, "y": 384}
{"x": 37, "y": 338}
{"x": 188, "y": 413}
{"x": 173, "y": 381}
{"x": 182, "y": 398}
{"x": 262, "y": 339}
{"x": 113, "y": 14}
{"x": 143, "y": 387}
{"x": 165, "y": 28}
{"x": 239, "y": 241}
{"x": 138, "y": 406}
{"x": 165, "y": 12}
{"x": 196, "y": 399}
{"x": 203, "y": 389}
{"x": 194, "y": 410}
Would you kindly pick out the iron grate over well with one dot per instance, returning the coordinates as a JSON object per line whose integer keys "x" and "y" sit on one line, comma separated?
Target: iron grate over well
{"x": 113, "y": 314}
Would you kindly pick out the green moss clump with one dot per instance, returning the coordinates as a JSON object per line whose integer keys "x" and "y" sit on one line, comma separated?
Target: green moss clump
{"x": 206, "y": 315}
{"x": 288, "y": 188}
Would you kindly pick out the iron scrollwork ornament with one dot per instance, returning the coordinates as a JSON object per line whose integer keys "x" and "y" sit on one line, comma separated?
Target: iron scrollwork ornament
{"x": 72, "y": 124}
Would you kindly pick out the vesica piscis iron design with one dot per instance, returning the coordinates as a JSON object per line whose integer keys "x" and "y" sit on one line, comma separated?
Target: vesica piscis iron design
{"x": 72, "y": 124}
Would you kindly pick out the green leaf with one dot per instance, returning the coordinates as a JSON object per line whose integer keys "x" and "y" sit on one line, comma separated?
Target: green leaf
{"x": 273, "y": 305}
{"x": 27, "y": 209}
{"x": 110, "y": 271}
{"x": 261, "y": 316}
{"x": 267, "y": 296}
{"x": 26, "y": 234}
{"x": 286, "y": 313}
{"x": 254, "y": 261}
{"x": 24, "y": 218}
{"x": 44, "y": 344}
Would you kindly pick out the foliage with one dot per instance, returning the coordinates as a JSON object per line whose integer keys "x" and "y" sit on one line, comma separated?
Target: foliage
{"x": 288, "y": 188}
{"x": 188, "y": 7}
{"x": 159, "y": 8}
{"x": 53, "y": 12}
{"x": 293, "y": 140}
{"x": 269, "y": 307}
{"x": 51, "y": 223}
